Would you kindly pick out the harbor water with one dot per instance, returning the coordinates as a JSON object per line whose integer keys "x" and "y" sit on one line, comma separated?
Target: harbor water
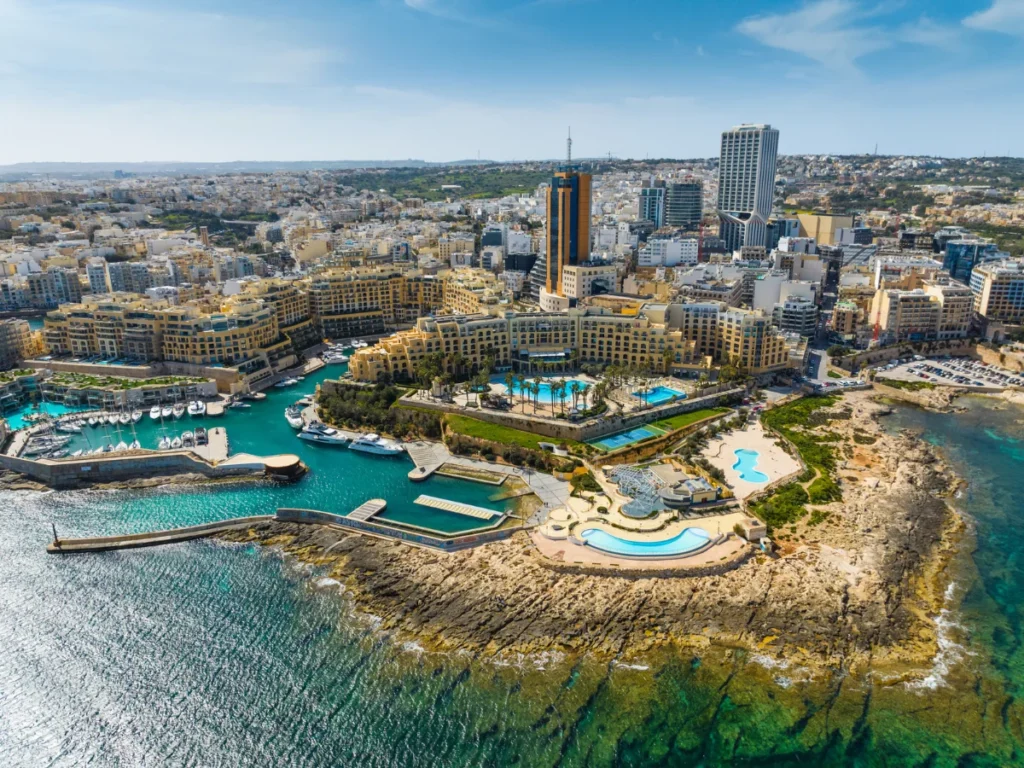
{"x": 206, "y": 653}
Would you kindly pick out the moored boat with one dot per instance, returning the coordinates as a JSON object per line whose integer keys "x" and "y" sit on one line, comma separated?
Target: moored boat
{"x": 374, "y": 443}
{"x": 293, "y": 414}
{"x": 154, "y": 412}
{"x": 318, "y": 432}
{"x": 178, "y": 410}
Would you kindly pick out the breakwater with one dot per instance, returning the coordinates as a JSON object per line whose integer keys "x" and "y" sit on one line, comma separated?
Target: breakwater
{"x": 152, "y": 539}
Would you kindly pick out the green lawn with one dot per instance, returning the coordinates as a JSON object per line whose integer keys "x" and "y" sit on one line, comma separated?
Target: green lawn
{"x": 910, "y": 386}
{"x": 834, "y": 375}
{"x": 463, "y": 425}
{"x": 686, "y": 419}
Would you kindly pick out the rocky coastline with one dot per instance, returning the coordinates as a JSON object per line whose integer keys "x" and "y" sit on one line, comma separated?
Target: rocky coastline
{"x": 860, "y": 588}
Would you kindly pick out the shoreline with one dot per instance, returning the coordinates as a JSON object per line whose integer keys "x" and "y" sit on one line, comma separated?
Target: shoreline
{"x": 862, "y": 589}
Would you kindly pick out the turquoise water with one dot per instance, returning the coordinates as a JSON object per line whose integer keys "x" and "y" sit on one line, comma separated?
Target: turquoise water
{"x": 16, "y": 418}
{"x": 208, "y": 654}
{"x": 545, "y": 395}
{"x": 620, "y": 439}
{"x": 339, "y": 479}
{"x": 686, "y": 541}
{"x": 659, "y": 395}
{"x": 746, "y": 461}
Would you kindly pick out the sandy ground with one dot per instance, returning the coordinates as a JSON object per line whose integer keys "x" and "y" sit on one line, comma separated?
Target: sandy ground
{"x": 772, "y": 461}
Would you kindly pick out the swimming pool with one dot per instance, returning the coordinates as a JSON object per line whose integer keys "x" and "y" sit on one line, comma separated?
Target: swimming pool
{"x": 689, "y": 540}
{"x": 16, "y": 418}
{"x": 621, "y": 439}
{"x": 659, "y": 395}
{"x": 545, "y": 395}
{"x": 746, "y": 460}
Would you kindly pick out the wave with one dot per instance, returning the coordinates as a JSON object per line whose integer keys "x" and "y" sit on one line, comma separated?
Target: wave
{"x": 950, "y": 651}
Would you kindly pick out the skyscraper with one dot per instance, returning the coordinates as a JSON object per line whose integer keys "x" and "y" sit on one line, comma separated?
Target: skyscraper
{"x": 568, "y": 229}
{"x": 684, "y": 204}
{"x": 746, "y": 183}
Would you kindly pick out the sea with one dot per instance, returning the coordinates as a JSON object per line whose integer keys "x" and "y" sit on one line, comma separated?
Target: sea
{"x": 217, "y": 654}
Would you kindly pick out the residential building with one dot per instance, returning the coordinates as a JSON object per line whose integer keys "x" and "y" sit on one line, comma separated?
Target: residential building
{"x": 684, "y": 204}
{"x": 669, "y": 252}
{"x": 96, "y": 275}
{"x": 55, "y": 286}
{"x": 823, "y": 227}
{"x": 846, "y": 319}
{"x": 651, "y": 205}
{"x": 580, "y": 281}
{"x": 939, "y": 310}
{"x": 746, "y": 184}
{"x": 455, "y": 242}
{"x": 17, "y": 343}
{"x": 796, "y": 315}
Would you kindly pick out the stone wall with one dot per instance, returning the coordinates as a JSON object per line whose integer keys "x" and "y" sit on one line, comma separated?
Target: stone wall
{"x": 852, "y": 363}
{"x": 70, "y": 473}
{"x": 454, "y": 544}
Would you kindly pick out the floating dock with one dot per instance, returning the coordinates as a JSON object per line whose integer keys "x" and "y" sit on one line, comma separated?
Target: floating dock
{"x": 367, "y": 509}
{"x": 481, "y": 513}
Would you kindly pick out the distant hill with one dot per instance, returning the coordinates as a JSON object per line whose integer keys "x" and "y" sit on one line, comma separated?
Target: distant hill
{"x": 97, "y": 170}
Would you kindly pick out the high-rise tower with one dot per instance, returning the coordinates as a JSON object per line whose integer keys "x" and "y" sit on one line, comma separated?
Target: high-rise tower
{"x": 568, "y": 228}
{"x": 746, "y": 183}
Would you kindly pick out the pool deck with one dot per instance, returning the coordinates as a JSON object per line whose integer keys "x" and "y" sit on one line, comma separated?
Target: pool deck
{"x": 771, "y": 460}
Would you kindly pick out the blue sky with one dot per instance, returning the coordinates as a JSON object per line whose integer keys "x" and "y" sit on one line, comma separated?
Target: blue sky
{"x": 124, "y": 80}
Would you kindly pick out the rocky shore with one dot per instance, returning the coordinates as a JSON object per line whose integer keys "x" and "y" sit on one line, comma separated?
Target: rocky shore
{"x": 862, "y": 586}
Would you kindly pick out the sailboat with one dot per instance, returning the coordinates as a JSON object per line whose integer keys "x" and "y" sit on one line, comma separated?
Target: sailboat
{"x": 154, "y": 412}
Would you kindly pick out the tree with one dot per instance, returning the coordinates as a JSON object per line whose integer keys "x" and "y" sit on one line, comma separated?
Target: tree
{"x": 559, "y": 389}
{"x": 575, "y": 387}
{"x": 667, "y": 357}
{"x": 536, "y": 393}
{"x": 510, "y": 383}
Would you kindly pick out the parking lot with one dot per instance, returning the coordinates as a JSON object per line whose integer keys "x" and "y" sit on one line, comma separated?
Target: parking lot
{"x": 952, "y": 372}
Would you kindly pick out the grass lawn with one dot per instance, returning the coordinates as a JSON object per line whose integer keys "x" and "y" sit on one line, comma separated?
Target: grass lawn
{"x": 463, "y": 425}
{"x": 681, "y": 420}
{"x": 834, "y": 375}
{"x": 910, "y": 386}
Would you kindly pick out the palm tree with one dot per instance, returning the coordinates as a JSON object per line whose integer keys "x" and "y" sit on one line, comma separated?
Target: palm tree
{"x": 522, "y": 392}
{"x": 536, "y": 393}
{"x": 558, "y": 389}
{"x": 666, "y": 358}
{"x": 574, "y": 388}
{"x": 510, "y": 382}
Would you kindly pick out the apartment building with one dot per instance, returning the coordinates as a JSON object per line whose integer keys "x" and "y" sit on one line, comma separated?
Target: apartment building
{"x": 237, "y": 335}
{"x": 847, "y": 317}
{"x": 290, "y": 302}
{"x": 17, "y": 343}
{"x": 580, "y": 281}
{"x": 56, "y": 286}
{"x": 455, "y": 242}
{"x": 903, "y": 315}
{"x": 998, "y": 290}
{"x": 956, "y": 307}
{"x": 749, "y": 341}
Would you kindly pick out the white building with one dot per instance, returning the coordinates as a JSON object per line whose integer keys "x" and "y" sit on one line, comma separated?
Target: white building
{"x": 669, "y": 252}
{"x": 746, "y": 184}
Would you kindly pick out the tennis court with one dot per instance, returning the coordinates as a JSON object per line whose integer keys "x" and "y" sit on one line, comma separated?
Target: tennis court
{"x": 630, "y": 436}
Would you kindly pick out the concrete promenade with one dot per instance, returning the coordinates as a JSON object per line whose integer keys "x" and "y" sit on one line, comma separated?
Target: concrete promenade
{"x": 152, "y": 538}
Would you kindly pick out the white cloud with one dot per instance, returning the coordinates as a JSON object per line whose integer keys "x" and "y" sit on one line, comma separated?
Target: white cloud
{"x": 836, "y": 33}
{"x": 1005, "y": 16}
{"x": 121, "y": 43}
{"x": 452, "y": 10}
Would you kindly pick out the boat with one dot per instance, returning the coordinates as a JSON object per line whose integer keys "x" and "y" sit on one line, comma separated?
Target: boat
{"x": 178, "y": 410}
{"x": 201, "y": 438}
{"x": 135, "y": 445}
{"x": 188, "y": 439}
{"x": 77, "y": 453}
{"x": 293, "y": 414}
{"x": 164, "y": 444}
{"x": 176, "y": 442}
{"x": 58, "y": 454}
{"x": 318, "y": 432}
{"x": 154, "y": 412}
{"x": 300, "y": 378}
{"x": 121, "y": 446}
{"x": 335, "y": 359}
{"x": 166, "y": 412}
{"x": 196, "y": 408}
{"x": 125, "y": 419}
{"x": 92, "y": 421}
{"x": 374, "y": 443}
{"x": 239, "y": 404}
{"x": 136, "y": 417}
{"x": 68, "y": 426}
{"x": 286, "y": 383}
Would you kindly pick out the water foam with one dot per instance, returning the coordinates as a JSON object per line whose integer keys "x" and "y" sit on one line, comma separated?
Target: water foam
{"x": 950, "y": 651}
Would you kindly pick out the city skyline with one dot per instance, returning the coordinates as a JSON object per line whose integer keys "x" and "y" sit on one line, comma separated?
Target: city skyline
{"x": 444, "y": 80}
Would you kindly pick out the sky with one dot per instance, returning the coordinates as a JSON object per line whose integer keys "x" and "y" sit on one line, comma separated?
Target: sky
{"x": 221, "y": 80}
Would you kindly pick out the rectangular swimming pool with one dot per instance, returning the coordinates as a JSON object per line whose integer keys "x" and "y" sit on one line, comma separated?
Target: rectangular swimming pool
{"x": 622, "y": 439}
{"x": 659, "y": 395}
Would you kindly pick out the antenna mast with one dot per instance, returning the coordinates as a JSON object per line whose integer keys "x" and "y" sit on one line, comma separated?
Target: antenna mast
{"x": 568, "y": 148}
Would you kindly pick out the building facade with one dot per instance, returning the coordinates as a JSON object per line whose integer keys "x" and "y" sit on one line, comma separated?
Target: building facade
{"x": 746, "y": 184}
{"x": 568, "y": 229}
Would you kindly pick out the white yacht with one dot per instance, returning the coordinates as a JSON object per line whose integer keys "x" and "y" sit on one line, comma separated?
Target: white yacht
{"x": 293, "y": 413}
{"x": 196, "y": 408}
{"x": 318, "y": 432}
{"x": 124, "y": 419}
{"x": 154, "y": 412}
{"x": 93, "y": 421}
{"x": 122, "y": 446}
{"x": 166, "y": 411}
{"x": 136, "y": 417}
{"x": 374, "y": 443}
{"x": 188, "y": 439}
{"x": 135, "y": 445}
{"x": 332, "y": 358}
{"x": 176, "y": 443}
{"x": 165, "y": 443}
{"x": 286, "y": 383}
{"x": 178, "y": 410}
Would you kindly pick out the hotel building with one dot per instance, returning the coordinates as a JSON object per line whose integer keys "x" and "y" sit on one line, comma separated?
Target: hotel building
{"x": 568, "y": 232}
{"x": 998, "y": 291}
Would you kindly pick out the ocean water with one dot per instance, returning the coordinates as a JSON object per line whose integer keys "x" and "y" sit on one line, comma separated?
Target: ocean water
{"x": 215, "y": 654}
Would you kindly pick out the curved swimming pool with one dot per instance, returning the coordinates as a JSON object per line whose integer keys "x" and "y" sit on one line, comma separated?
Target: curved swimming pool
{"x": 687, "y": 541}
{"x": 746, "y": 460}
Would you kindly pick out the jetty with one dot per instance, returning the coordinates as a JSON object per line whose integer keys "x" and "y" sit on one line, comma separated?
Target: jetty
{"x": 457, "y": 507}
{"x": 61, "y": 546}
{"x": 368, "y": 509}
